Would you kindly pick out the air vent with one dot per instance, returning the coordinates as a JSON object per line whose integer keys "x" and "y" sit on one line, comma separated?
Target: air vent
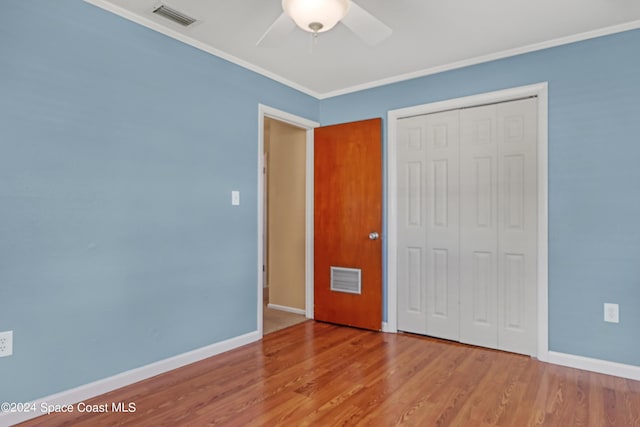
{"x": 346, "y": 280}
{"x": 174, "y": 15}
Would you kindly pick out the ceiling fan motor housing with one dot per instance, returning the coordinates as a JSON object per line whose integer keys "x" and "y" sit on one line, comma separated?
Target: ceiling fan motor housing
{"x": 316, "y": 16}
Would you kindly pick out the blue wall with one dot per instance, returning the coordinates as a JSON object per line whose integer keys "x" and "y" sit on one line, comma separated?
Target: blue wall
{"x": 119, "y": 148}
{"x": 594, "y": 177}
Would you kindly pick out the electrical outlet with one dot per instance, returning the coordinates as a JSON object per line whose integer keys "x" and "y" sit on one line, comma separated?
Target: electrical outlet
{"x": 6, "y": 343}
{"x": 611, "y": 313}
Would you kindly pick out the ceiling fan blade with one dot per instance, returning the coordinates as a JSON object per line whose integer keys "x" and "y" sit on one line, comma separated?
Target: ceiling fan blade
{"x": 277, "y": 32}
{"x": 366, "y": 26}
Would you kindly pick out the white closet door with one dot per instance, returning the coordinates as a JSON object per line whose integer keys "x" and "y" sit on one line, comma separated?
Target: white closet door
{"x": 412, "y": 295}
{"x": 443, "y": 226}
{"x": 467, "y": 225}
{"x": 428, "y": 225}
{"x": 478, "y": 227}
{"x": 517, "y": 226}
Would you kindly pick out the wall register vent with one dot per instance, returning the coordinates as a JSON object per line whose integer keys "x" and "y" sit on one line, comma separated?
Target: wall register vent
{"x": 346, "y": 280}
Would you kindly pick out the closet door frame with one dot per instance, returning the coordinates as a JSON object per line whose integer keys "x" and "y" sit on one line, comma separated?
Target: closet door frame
{"x": 539, "y": 90}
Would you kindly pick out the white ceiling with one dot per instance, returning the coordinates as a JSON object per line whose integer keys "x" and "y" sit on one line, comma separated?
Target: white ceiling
{"x": 428, "y": 36}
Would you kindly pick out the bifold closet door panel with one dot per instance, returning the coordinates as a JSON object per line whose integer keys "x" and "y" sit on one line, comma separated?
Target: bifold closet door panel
{"x": 478, "y": 227}
{"x": 412, "y": 220}
{"x": 443, "y": 225}
{"x": 428, "y": 225}
{"x": 517, "y": 226}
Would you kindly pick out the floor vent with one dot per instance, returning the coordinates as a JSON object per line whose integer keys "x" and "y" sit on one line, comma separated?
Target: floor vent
{"x": 346, "y": 280}
{"x": 174, "y": 15}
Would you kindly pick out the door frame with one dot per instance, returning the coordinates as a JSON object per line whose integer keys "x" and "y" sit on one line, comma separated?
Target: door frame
{"x": 308, "y": 126}
{"x": 540, "y": 90}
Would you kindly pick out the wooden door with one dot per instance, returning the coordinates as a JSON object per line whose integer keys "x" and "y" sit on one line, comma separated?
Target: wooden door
{"x": 348, "y": 209}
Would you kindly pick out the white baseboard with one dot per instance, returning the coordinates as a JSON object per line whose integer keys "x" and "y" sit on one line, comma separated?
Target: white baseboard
{"x": 385, "y": 328}
{"x": 595, "y": 365}
{"x": 96, "y": 388}
{"x": 287, "y": 309}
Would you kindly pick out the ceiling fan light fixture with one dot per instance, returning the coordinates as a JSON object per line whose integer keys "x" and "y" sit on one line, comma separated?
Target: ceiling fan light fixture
{"x": 316, "y": 16}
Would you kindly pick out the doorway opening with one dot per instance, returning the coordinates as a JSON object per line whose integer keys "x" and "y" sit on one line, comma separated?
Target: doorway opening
{"x": 284, "y": 227}
{"x": 285, "y": 220}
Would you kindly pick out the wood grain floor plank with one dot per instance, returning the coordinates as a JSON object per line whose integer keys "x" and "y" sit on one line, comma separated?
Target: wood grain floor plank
{"x": 317, "y": 374}
{"x": 486, "y": 403}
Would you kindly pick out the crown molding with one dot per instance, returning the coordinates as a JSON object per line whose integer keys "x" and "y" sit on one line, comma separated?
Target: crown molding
{"x": 144, "y": 21}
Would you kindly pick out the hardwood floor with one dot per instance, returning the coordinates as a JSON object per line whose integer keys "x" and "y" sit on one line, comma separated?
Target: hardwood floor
{"x": 274, "y": 320}
{"x": 316, "y": 374}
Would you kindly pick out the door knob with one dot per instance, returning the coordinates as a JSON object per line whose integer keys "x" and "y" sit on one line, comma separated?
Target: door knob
{"x": 374, "y": 235}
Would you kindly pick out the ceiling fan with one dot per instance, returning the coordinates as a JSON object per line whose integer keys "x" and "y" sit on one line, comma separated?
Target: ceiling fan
{"x": 318, "y": 16}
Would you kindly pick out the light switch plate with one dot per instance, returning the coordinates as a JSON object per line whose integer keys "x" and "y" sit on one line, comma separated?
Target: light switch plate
{"x": 235, "y": 198}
